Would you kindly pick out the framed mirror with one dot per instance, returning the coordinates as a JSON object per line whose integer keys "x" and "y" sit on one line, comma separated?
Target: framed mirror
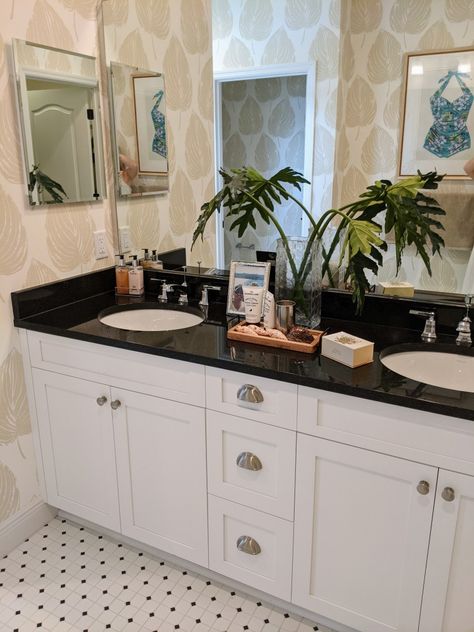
{"x": 59, "y": 110}
{"x": 139, "y": 137}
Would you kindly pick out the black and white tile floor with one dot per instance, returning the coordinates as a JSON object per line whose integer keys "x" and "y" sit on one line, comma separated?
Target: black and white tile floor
{"x": 67, "y": 578}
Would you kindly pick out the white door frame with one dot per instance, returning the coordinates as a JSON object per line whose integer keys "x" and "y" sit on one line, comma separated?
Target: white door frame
{"x": 263, "y": 72}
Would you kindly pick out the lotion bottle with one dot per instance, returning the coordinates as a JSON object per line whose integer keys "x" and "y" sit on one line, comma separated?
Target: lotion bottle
{"x": 121, "y": 277}
{"x": 135, "y": 278}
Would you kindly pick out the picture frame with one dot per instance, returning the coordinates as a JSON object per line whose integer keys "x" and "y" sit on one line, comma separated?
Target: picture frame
{"x": 150, "y": 123}
{"x": 437, "y": 122}
{"x": 243, "y": 273}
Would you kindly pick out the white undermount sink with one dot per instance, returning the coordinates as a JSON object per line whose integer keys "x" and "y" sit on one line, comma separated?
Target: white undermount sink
{"x": 454, "y": 371}
{"x": 149, "y": 319}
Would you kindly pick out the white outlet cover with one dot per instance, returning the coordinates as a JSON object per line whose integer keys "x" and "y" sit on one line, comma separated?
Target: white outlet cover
{"x": 124, "y": 237}
{"x": 100, "y": 244}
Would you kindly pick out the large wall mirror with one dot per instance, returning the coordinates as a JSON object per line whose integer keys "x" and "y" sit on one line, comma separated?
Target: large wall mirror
{"x": 60, "y": 120}
{"x": 138, "y": 130}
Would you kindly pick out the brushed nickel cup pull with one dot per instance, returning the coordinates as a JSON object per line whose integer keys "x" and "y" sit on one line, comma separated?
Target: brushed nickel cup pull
{"x": 448, "y": 494}
{"x": 249, "y": 461}
{"x": 423, "y": 488}
{"x": 101, "y": 400}
{"x": 248, "y": 545}
{"x": 250, "y": 393}
{"x": 115, "y": 404}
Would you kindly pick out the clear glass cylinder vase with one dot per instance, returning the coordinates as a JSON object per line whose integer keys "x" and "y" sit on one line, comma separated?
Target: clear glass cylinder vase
{"x": 304, "y": 287}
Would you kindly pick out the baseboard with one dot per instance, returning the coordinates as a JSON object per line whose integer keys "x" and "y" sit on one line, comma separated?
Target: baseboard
{"x": 22, "y": 525}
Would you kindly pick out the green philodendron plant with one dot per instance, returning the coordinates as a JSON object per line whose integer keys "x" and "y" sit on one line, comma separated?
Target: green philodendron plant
{"x": 408, "y": 212}
{"x": 45, "y": 183}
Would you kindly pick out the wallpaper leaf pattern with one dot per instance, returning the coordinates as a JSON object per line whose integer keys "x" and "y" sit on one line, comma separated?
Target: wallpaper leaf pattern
{"x": 69, "y": 237}
{"x": 222, "y": 19}
{"x": 436, "y": 37}
{"x": 86, "y": 8}
{"x": 198, "y": 149}
{"x": 279, "y": 49}
{"x": 282, "y": 119}
{"x": 460, "y": 10}
{"x": 154, "y": 16}
{"x": 347, "y": 58}
{"x": 266, "y": 154}
{"x": 385, "y": 59}
{"x": 256, "y": 19}
{"x": 324, "y": 51}
{"x": 361, "y": 105}
{"x": 39, "y": 273}
{"x": 235, "y": 152}
{"x": 268, "y": 89}
{"x": 302, "y": 14}
{"x": 194, "y": 26}
{"x": 46, "y": 26}
{"x": 116, "y": 12}
{"x": 14, "y": 414}
{"x": 144, "y": 222}
{"x": 238, "y": 55}
{"x": 10, "y": 160}
{"x": 206, "y": 105}
{"x": 9, "y": 494}
{"x": 378, "y": 152}
{"x": 250, "y": 118}
{"x": 182, "y": 205}
{"x": 410, "y": 16}
{"x": 391, "y": 112}
{"x": 13, "y": 244}
{"x": 132, "y": 51}
{"x": 177, "y": 76}
{"x": 366, "y": 15}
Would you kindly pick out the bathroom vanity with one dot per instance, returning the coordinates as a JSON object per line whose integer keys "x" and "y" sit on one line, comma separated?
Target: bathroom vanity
{"x": 349, "y": 493}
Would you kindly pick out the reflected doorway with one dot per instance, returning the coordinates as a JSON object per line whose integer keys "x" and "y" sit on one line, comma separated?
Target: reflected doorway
{"x": 264, "y": 119}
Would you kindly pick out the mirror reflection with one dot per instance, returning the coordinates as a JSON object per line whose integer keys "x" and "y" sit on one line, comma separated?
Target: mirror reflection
{"x": 60, "y": 121}
{"x": 139, "y": 130}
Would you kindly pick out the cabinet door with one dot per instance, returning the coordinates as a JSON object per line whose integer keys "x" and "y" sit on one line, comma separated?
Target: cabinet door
{"x": 77, "y": 444}
{"x": 448, "y": 598}
{"x": 161, "y": 467}
{"x": 361, "y": 535}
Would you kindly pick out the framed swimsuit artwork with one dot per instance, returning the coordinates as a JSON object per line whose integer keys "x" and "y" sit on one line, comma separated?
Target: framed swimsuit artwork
{"x": 437, "y": 125}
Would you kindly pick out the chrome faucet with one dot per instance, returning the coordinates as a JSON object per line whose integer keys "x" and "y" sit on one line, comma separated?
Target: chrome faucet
{"x": 165, "y": 288}
{"x": 429, "y": 332}
{"x": 464, "y": 325}
{"x": 204, "y": 302}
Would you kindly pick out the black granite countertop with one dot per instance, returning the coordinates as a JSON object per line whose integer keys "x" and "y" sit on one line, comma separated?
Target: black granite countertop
{"x": 207, "y": 344}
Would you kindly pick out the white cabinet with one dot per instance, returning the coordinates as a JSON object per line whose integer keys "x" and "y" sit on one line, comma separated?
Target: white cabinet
{"x": 448, "y": 598}
{"x": 161, "y": 467}
{"x": 77, "y": 443}
{"x": 361, "y": 535}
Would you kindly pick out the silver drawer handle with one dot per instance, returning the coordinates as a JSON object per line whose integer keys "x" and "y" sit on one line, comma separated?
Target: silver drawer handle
{"x": 248, "y": 545}
{"x": 115, "y": 404}
{"x": 249, "y": 461}
{"x": 448, "y": 494}
{"x": 250, "y": 393}
{"x": 101, "y": 400}
{"x": 423, "y": 488}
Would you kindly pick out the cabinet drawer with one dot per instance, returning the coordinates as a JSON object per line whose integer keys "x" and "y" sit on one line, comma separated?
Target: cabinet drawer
{"x": 230, "y": 392}
{"x": 414, "y": 434}
{"x": 251, "y": 547}
{"x": 251, "y": 463}
{"x": 142, "y": 372}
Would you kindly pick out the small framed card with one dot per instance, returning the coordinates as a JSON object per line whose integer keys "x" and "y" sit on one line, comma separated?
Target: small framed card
{"x": 242, "y": 274}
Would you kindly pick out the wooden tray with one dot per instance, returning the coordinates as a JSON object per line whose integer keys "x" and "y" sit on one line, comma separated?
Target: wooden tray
{"x": 291, "y": 345}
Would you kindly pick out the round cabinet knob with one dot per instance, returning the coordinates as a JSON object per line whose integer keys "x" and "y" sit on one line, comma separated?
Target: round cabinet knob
{"x": 249, "y": 461}
{"x": 250, "y": 393}
{"x": 101, "y": 400}
{"x": 423, "y": 488}
{"x": 248, "y": 545}
{"x": 448, "y": 494}
{"x": 115, "y": 404}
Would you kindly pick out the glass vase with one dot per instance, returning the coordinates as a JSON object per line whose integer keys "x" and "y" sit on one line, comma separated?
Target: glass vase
{"x": 305, "y": 287}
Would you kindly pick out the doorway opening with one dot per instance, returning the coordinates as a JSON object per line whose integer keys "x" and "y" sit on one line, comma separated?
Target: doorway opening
{"x": 264, "y": 117}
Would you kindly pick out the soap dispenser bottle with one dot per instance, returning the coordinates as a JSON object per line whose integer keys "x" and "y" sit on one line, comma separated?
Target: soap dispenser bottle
{"x": 135, "y": 278}
{"x": 121, "y": 276}
{"x": 146, "y": 259}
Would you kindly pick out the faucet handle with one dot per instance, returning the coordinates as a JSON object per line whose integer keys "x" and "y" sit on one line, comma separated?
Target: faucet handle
{"x": 429, "y": 332}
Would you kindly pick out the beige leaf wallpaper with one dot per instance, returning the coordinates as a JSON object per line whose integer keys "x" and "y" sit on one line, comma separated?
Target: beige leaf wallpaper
{"x": 375, "y": 35}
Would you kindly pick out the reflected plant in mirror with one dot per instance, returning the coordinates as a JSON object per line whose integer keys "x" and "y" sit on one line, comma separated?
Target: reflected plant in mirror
{"x": 138, "y": 130}
{"x": 59, "y": 112}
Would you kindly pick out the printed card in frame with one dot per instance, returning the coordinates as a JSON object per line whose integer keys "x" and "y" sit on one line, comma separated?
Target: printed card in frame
{"x": 242, "y": 274}
{"x": 437, "y": 128}
{"x": 150, "y": 123}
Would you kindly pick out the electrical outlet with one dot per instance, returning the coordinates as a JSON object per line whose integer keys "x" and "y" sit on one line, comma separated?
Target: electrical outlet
{"x": 100, "y": 243}
{"x": 124, "y": 238}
